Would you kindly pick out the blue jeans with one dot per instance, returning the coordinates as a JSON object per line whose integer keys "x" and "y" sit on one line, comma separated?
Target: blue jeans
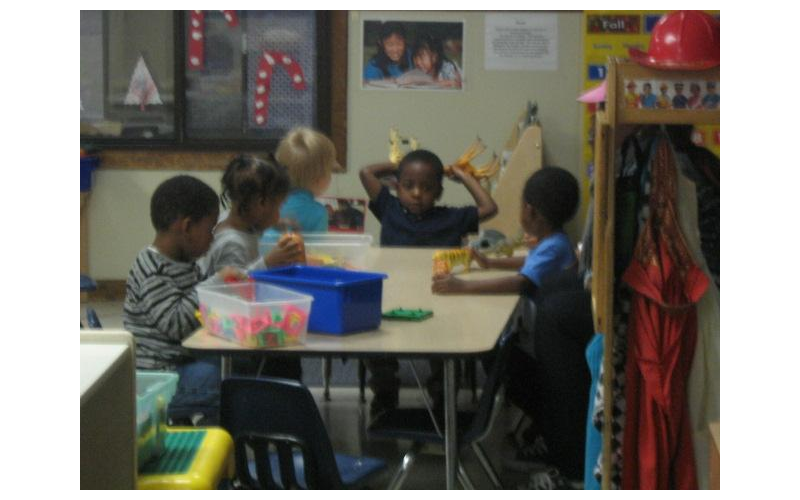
{"x": 198, "y": 390}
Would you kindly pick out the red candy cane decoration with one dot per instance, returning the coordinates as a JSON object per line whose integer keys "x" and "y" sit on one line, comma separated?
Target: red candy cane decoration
{"x": 264, "y": 80}
{"x": 197, "y": 28}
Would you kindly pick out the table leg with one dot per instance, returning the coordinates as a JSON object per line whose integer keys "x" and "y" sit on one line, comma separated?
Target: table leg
{"x": 225, "y": 366}
{"x": 450, "y": 444}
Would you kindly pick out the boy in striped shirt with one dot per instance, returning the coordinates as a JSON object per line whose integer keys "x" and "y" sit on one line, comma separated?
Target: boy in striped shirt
{"x": 161, "y": 299}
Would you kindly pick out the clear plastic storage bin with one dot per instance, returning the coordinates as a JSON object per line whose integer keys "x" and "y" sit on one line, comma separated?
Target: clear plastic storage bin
{"x": 255, "y": 314}
{"x": 348, "y": 251}
{"x": 154, "y": 391}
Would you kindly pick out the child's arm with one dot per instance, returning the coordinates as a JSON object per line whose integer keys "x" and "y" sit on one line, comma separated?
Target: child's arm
{"x": 449, "y": 284}
{"x": 170, "y": 308}
{"x": 485, "y": 262}
{"x": 370, "y": 177}
{"x": 487, "y": 208}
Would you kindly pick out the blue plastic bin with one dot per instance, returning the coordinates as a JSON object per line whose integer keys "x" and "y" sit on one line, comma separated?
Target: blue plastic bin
{"x": 88, "y": 165}
{"x": 344, "y": 301}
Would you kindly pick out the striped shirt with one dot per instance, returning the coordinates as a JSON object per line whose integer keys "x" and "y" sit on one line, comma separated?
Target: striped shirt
{"x": 159, "y": 309}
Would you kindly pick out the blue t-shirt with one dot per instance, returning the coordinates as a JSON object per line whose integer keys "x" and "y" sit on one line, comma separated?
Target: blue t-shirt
{"x": 711, "y": 101}
{"x": 310, "y": 215}
{"x": 552, "y": 254}
{"x": 438, "y": 227}
{"x": 373, "y": 72}
{"x": 680, "y": 101}
{"x": 648, "y": 100}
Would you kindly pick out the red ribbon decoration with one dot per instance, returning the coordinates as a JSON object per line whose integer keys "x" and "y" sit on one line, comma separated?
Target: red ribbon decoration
{"x": 264, "y": 81}
{"x": 269, "y": 59}
{"x": 197, "y": 29}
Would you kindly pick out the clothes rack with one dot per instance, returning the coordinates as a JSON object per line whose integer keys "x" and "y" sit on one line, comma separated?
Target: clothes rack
{"x": 611, "y": 126}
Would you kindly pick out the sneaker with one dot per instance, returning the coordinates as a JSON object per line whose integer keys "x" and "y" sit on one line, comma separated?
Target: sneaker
{"x": 528, "y": 457}
{"x": 549, "y": 479}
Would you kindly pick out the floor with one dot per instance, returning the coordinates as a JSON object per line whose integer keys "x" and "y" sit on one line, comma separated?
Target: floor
{"x": 346, "y": 420}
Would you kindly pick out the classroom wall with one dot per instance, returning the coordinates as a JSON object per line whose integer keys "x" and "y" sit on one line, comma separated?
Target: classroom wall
{"x": 445, "y": 122}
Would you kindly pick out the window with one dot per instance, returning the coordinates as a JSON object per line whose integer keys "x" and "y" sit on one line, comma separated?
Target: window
{"x": 207, "y": 79}
{"x": 127, "y": 74}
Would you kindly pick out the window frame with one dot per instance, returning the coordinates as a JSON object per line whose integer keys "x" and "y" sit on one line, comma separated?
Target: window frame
{"x": 323, "y": 86}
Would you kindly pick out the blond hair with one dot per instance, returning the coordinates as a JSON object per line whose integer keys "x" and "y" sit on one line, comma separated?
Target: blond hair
{"x": 308, "y": 155}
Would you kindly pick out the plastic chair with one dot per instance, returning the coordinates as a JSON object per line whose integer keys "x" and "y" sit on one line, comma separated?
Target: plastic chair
{"x": 416, "y": 424}
{"x": 277, "y": 422}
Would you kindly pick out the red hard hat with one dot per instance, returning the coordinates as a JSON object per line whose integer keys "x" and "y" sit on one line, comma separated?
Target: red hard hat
{"x": 682, "y": 40}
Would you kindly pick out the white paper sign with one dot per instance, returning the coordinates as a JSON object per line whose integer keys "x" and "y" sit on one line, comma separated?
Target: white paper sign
{"x": 523, "y": 42}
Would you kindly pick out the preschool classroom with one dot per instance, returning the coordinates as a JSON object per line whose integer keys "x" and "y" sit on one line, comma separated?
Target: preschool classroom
{"x": 400, "y": 250}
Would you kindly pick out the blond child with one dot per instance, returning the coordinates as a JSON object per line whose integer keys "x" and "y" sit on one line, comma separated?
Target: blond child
{"x": 310, "y": 158}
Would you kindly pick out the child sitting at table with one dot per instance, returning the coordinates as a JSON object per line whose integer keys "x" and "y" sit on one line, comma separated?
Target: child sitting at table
{"x": 547, "y": 374}
{"x": 310, "y": 158}
{"x": 412, "y": 218}
{"x": 161, "y": 299}
{"x": 549, "y": 200}
{"x": 253, "y": 189}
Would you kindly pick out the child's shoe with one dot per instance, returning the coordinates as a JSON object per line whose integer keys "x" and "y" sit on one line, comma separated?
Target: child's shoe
{"x": 529, "y": 456}
{"x": 549, "y": 479}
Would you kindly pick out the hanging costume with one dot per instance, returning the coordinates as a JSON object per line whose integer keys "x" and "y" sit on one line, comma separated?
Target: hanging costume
{"x": 661, "y": 340}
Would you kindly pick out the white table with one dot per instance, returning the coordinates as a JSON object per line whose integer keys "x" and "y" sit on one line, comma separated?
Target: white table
{"x": 461, "y": 327}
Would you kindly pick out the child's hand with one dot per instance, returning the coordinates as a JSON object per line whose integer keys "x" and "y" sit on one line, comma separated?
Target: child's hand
{"x": 230, "y": 274}
{"x": 456, "y": 174}
{"x": 482, "y": 260}
{"x": 447, "y": 283}
{"x": 288, "y": 251}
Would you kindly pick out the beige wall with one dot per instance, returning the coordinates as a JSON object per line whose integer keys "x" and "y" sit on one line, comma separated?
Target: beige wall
{"x": 445, "y": 122}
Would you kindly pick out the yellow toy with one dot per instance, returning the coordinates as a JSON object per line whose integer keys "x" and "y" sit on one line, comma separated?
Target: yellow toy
{"x": 395, "y": 140}
{"x": 485, "y": 171}
{"x": 445, "y": 260}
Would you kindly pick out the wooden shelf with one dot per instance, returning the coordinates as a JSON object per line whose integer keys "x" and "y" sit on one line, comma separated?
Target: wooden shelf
{"x": 620, "y": 71}
{"x": 608, "y": 126}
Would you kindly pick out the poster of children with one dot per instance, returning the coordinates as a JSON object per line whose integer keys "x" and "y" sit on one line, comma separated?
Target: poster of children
{"x": 671, "y": 94}
{"x": 413, "y": 55}
{"x": 345, "y": 215}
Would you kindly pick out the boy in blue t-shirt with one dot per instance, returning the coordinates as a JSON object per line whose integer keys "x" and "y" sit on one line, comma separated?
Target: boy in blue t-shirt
{"x": 412, "y": 219}
{"x": 550, "y": 199}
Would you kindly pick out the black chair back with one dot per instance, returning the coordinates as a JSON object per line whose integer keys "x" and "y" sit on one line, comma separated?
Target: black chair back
{"x": 495, "y": 376}
{"x": 267, "y": 414}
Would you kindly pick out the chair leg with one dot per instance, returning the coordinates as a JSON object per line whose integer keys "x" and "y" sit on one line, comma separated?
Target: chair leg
{"x": 519, "y": 426}
{"x": 464, "y": 479}
{"x": 92, "y": 319}
{"x": 472, "y": 371}
{"x": 362, "y": 381}
{"x": 487, "y": 465}
{"x": 405, "y": 466}
{"x": 326, "y": 376}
